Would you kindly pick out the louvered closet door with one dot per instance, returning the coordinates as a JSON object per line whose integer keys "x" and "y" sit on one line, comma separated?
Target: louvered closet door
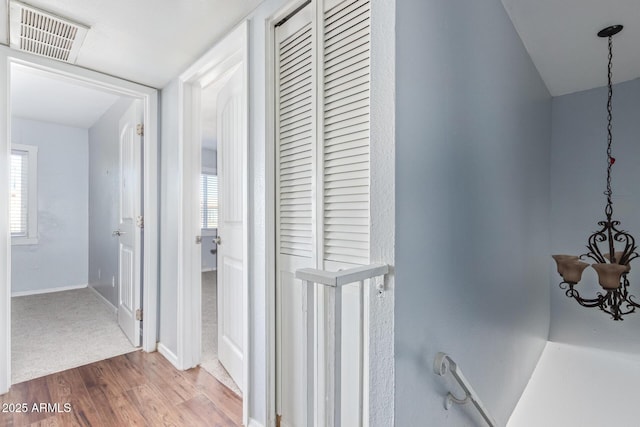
{"x": 345, "y": 175}
{"x": 323, "y": 187}
{"x": 295, "y": 204}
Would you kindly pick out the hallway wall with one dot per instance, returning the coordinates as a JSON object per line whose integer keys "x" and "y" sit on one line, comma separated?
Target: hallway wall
{"x": 59, "y": 259}
{"x": 472, "y": 204}
{"x": 578, "y": 175}
{"x": 104, "y": 201}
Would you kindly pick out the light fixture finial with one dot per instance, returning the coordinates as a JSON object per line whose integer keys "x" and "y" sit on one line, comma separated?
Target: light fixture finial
{"x": 610, "y": 31}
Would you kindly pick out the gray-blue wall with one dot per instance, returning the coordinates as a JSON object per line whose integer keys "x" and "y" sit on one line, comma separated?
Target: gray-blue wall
{"x": 578, "y": 174}
{"x": 59, "y": 259}
{"x": 104, "y": 199}
{"x": 472, "y": 208}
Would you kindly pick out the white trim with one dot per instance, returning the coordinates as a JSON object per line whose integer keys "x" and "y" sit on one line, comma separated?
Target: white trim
{"x": 104, "y": 300}
{"x": 89, "y": 78}
{"x": 168, "y": 354}
{"x": 230, "y": 52}
{"x": 47, "y": 291}
{"x": 207, "y": 270}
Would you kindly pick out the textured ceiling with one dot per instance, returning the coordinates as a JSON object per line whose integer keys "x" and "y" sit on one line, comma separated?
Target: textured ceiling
{"x": 560, "y": 36}
{"x": 147, "y": 41}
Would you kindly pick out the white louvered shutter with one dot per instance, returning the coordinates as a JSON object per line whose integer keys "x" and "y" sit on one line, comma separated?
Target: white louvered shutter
{"x": 346, "y": 132}
{"x": 296, "y": 138}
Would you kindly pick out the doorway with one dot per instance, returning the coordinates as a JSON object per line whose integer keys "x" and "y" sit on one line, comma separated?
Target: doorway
{"x": 147, "y": 265}
{"x": 213, "y": 101}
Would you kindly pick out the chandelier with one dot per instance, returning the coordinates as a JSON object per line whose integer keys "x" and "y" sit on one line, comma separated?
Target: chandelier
{"x": 611, "y": 248}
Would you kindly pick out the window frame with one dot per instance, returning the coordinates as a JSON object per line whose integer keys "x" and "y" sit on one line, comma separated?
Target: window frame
{"x": 31, "y": 236}
{"x": 211, "y": 231}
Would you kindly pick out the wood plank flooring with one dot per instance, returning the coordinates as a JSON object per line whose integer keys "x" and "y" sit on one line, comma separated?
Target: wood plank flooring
{"x": 135, "y": 389}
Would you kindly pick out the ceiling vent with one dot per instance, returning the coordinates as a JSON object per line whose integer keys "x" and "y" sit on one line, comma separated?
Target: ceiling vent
{"x": 42, "y": 33}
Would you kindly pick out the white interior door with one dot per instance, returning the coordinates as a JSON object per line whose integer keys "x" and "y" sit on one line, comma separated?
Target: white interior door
{"x": 322, "y": 187}
{"x": 295, "y": 205}
{"x": 231, "y": 119}
{"x": 129, "y": 230}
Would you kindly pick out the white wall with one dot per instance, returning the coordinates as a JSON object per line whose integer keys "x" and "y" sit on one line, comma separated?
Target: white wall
{"x": 59, "y": 259}
{"x": 169, "y": 217}
{"x": 473, "y": 122}
{"x": 578, "y": 176}
{"x": 575, "y": 386}
{"x": 104, "y": 199}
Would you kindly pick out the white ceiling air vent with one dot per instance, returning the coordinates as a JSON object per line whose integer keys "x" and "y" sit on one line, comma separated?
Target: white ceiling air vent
{"x": 36, "y": 31}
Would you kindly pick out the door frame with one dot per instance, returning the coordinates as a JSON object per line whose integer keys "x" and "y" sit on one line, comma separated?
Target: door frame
{"x": 231, "y": 51}
{"x": 94, "y": 79}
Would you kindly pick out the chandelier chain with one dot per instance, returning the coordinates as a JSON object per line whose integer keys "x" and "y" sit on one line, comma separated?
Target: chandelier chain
{"x": 608, "y": 192}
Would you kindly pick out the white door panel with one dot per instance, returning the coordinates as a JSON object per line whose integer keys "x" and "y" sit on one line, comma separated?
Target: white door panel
{"x": 230, "y": 228}
{"x": 128, "y": 233}
{"x": 296, "y": 204}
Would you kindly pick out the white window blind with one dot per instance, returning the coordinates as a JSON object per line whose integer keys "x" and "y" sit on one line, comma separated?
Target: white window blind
{"x": 23, "y": 209}
{"x": 209, "y": 201}
{"x": 19, "y": 193}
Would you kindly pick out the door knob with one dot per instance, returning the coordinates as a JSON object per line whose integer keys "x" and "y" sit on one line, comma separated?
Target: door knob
{"x": 118, "y": 233}
{"x": 217, "y": 240}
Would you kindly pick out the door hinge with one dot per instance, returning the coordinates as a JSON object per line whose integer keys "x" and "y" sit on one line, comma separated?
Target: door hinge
{"x": 139, "y": 314}
{"x": 140, "y": 129}
{"x": 278, "y": 420}
{"x": 140, "y": 221}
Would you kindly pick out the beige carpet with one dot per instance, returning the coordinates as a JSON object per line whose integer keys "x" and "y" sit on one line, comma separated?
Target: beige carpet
{"x": 210, "y": 360}
{"x": 62, "y": 330}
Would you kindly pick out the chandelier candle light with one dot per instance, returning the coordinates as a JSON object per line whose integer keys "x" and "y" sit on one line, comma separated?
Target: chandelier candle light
{"x": 612, "y": 249}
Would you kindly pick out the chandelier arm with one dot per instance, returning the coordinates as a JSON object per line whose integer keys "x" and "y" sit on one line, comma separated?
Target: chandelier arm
{"x": 592, "y": 243}
{"x": 572, "y": 293}
{"x": 631, "y": 303}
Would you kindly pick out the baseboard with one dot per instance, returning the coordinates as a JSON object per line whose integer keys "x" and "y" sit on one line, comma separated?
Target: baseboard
{"x": 168, "y": 354}
{"x": 47, "y": 291}
{"x": 104, "y": 300}
{"x": 254, "y": 423}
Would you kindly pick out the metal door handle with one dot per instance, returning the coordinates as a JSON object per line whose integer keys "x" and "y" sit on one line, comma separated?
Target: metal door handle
{"x": 118, "y": 233}
{"x": 217, "y": 240}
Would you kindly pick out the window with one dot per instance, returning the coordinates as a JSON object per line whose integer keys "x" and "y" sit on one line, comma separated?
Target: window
{"x": 208, "y": 201}
{"x": 23, "y": 215}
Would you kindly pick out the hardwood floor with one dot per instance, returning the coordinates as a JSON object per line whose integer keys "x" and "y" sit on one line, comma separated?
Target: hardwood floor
{"x": 135, "y": 389}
